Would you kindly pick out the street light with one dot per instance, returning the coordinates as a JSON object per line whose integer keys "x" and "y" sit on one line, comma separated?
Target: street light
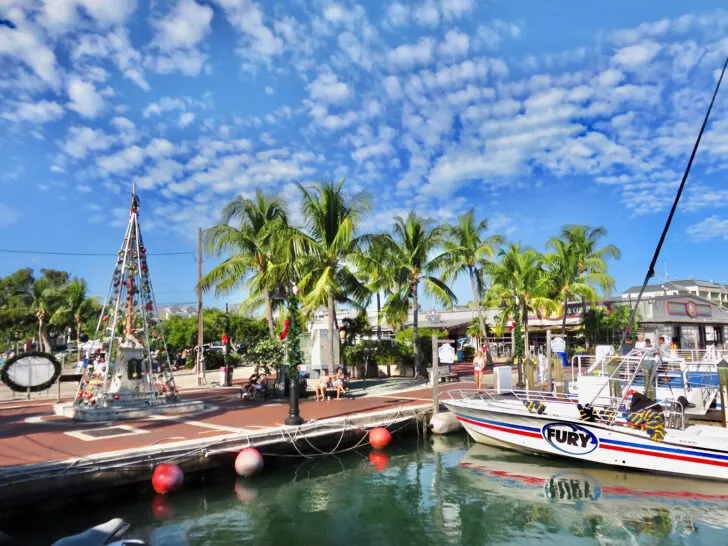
{"x": 294, "y": 356}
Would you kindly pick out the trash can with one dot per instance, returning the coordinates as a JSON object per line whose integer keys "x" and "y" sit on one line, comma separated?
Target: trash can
{"x": 222, "y": 376}
{"x": 503, "y": 379}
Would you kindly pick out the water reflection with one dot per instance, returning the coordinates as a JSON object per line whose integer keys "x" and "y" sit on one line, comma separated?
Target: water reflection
{"x": 434, "y": 492}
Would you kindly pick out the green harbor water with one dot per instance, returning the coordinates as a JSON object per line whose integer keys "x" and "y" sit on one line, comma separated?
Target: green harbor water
{"x": 424, "y": 491}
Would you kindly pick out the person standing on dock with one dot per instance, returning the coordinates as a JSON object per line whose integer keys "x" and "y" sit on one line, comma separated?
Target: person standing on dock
{"x": 478, "y": 369}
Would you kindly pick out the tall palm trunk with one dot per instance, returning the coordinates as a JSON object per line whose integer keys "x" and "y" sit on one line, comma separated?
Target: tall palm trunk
{"x": 331, "y": 332}
{"x": 43, "y": 341}
{"x": 563, "y": 318}
{"x": 269, "y": 313}
{"x": 379, "y": 319}
{"x": 476, "y": 299}
{"x": 78, "y": 339}
{"x": 583, "y": 314}
{"x": 418, "y": 371}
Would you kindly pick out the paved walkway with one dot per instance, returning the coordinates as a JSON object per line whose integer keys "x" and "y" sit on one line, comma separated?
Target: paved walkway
{"x": 30, "y": 433}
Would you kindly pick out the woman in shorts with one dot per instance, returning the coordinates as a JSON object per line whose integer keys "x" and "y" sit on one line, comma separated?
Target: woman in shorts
{"x": 478, "y": 369}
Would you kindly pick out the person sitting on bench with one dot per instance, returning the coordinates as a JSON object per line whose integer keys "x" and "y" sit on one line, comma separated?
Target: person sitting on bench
{"x": 252, "y": 386}
{"x": 339, "y": 382}
{"x": 322, "y": 385}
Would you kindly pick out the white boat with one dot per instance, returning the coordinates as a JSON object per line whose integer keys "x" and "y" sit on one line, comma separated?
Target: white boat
{"x": 606, "y": 427}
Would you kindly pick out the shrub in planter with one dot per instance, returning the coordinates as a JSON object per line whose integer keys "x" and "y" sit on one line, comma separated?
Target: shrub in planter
{"x": 468, "y": 352}
{"x": 216, "y": 360}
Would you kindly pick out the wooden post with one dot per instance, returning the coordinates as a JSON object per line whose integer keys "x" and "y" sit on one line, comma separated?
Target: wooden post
{"x": 549, "y": 368}
{"x": 435, "y": 377}
{"x": 200, "y": 364}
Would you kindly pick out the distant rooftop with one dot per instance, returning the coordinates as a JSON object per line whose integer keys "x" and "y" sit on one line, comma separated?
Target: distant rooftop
{"x": 676, "y": 285}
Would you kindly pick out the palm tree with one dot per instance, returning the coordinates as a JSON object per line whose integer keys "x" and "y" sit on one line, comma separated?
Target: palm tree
{"x": 373, "y": 265}
{"x": 45, "y": 300}
{"x": 74, "y": 305}
{"x": 415, "y": 241}
{"x": 521, "y": 282}
{"x": 251, "y": 231}
{"x": 578, "y": 267}
{"x": 469, "y": 251}
{"x": 332, "y": 219}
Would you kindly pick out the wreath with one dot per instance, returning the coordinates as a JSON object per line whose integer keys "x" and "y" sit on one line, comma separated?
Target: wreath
{"x": 5, "y": 378}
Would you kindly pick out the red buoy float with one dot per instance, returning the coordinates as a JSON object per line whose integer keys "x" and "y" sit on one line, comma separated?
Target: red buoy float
{"x": 379, "y": 460}
{"x": 248, "y": 462}
{"x": 245, "y": 492}
{"x": 161, "y": 509}
{"x": 167, "y": 478}
{"x": 379, "y": 437}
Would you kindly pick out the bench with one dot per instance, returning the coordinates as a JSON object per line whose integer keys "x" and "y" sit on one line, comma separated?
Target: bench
{"x": 269, "y": 389}
{"x": 67, "y": 378}
{"x": 443, "y": 374}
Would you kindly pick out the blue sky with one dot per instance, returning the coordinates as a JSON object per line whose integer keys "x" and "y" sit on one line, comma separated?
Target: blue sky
{"x": 536, "y": 114}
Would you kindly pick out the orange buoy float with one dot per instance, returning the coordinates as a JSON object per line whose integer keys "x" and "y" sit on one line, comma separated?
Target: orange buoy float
{"x": 379, "y": 460}
{"x": 167, "y": 478}
{"x": 248, "y": 462}
{"x": 379, "y": 437}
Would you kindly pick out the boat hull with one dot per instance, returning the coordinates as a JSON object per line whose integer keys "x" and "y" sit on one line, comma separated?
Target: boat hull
{"x": 593, "y": 442}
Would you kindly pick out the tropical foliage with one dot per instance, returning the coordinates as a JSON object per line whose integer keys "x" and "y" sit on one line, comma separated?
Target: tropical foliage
{"x": 44, "y": 308}
{"x": 263, "y": 255}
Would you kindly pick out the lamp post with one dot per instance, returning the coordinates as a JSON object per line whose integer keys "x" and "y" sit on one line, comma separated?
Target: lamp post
{"x": 295, "y": 356}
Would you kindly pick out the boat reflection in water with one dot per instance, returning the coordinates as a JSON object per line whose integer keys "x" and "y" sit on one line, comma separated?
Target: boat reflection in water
{"x": 636, "y": 500}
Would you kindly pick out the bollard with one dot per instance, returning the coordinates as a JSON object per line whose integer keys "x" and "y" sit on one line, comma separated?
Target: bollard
{"x": 530, "y": 383}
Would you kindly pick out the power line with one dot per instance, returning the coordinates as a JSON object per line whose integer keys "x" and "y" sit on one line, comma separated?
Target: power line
{"x": 42, "y": 252}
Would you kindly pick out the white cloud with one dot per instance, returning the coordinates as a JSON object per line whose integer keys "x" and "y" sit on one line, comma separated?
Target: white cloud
{"x": 397, "y": 14}
{"x": 62, "y": 15}
{"x": 35, "y": 112}
{"x": 115, "y": 45}
{"x": 427, "y": 14}
{"x": 269, "y": 90}
{"x": 160, "y": 147}
{"x": 327, "y": 88}
{"x": 122, "y": 161}
{"x": 393, "y": 88}
{"x": 187, "y": 62}
{"x": 456, "y": 44}
{"x": 185, "y": 119}
{"x": 25, "y": 45}
{"x": 712, "y": 227}
{"x": 84, "y": 98}
{"x": 8, "y": 215}
{"x": 81, "y": 140}
{"x": 351, "y": 45}
{"x": 408, "y": 56}
{"x": 165, "y": 104}
{"x": 184, "y": 27}
{"x": 637, "y": 55}
{"x": 259, "y": 40}
{"x": 83, "y": 188}
{"x": 454, "y": 9}
{"x": 491, "y": 35}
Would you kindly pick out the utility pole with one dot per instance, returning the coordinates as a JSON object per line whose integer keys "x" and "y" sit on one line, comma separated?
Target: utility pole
{"x": 200, "y": 359}
{"x": 549, "y": 375}
{"x": 435, "y": 375}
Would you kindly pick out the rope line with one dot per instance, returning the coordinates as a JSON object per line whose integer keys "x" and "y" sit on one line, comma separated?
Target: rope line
{"x": 651, "y": 269}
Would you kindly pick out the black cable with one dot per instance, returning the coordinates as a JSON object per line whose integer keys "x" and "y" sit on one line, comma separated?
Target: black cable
{"x": 13, "y": 251}
{"x": 651, "y": 270}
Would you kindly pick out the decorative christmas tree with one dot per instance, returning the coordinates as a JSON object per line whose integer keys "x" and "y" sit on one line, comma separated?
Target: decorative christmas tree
{"x": 130, "y": 365}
